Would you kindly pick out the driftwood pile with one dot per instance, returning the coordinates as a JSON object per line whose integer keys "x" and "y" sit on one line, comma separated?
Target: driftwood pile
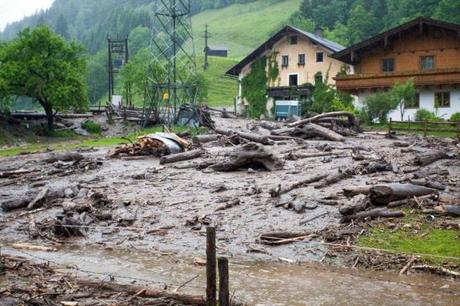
{"x": 329, "y": 126}
{"x": 41, "y": 284}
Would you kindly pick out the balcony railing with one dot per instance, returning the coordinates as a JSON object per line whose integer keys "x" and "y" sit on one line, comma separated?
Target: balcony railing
{"x": 385, "y": 80}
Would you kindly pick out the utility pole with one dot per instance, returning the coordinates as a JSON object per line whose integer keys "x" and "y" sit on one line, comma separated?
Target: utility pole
{"x": 206, "y": 48}
{"x": 118, "y": 51}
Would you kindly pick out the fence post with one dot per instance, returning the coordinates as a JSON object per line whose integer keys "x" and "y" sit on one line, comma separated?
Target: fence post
{"x": 211, "y": 271}
{"x": 425, "y": 128}
{"x": 458, "y": 129}
{"x": 224, "y": 290}
{"x": 389, "y": 126}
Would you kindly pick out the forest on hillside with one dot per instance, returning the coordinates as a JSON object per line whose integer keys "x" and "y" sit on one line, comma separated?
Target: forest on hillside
{"x": 351, "y": 21}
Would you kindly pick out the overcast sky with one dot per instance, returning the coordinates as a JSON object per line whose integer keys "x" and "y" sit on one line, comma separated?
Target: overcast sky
{"x": 14, "y": 10}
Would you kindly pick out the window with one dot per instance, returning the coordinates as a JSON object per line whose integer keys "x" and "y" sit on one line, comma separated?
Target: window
{"x": 388, "y": 65}
{"x": 293, "y": 80}
{"x": 285, "y": 61}
{"x": 318, "y": 78}
{"x": 319, "y": 57}
{"x": 442, "y": 99}
{"x": 293, "y": 40}
{"x": 427, "y": 62}
{"x": 302, "y": 59}
{"x": 414, "y": 103}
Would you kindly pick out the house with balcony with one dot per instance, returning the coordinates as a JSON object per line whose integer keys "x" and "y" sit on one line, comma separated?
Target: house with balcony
{"x": 302, "y": 59}
{"x": 425, "y": 50}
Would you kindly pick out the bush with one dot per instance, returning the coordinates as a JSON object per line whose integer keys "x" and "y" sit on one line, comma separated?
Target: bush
{"x": 423, "y": 114}
{"x": 455, "y": 117}
{"x": 378, "y": 106}
{"x": 91, "y": 126}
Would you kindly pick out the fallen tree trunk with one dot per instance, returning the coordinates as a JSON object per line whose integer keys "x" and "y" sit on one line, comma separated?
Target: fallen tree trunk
{"x": 355, "y": 190}
{"x": 37, "y": 202}
{"x": 65, "y": 157}
{"x": 168, "y": 159}
{"x": 351, "y": 118}
{"x": 200, "y": 139}
{"x": 359, "y": 203}
{"x": 280, "y": 238}
{"x": 15, "y": 173}
{"x": 437, "y": 270}
{"x": 296, "y": 156}
{"x": 429, "y": 184}
{"x": 249, "y": 136}
{"x": 18, "y": 203}
{"x": 336, "y": 177}
{"x": 144, "y": 292}
{"x": 279, "y": 190}
{"x": 251, "y": 155}
{"x": 323, "y": 132}
{"x": 384, "y": 194}
{"x": 373, "y": 213}
{"x": 283, "y": 131}
{"x": 429, "y": 158}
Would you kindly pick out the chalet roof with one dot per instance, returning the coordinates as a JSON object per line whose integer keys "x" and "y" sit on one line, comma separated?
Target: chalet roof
{"x": 346, "y": 54}
{"x": 287, "y": 30}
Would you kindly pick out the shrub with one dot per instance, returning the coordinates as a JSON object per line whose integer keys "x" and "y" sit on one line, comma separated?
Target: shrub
{"x": 378, "y": 106}
{"x": 455, "y": 117}
{"x": 91, "y": 126}
{"x": 423, "y": 114}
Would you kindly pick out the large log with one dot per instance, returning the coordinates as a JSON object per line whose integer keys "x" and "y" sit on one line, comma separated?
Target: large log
{"x": 265, "y": 140}
{"x": 168, "y": 159}
{"x": 429, "y": 158}
{"x": 373, "y": 213}
{"x": 323, "y": 132}
{"x": 384, "y": 194}
{"x": 65, "y": 157}
{"x": 200, "y": 139}
{"x": 251, "y": 155}
{"x": 336, "y": 177}
{"x": 351, "y": 118}
{"x": 16, "y": 203}
{"x": 355, "y": 190}
{"x": 282, "y": 189}
{"x": 147, "y": 292}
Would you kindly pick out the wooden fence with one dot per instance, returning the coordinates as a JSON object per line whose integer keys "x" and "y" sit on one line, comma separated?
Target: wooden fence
{"x": 424, "y": 126}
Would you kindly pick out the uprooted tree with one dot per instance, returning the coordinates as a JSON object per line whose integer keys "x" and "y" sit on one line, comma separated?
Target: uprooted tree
{"x": 43, "y": 66}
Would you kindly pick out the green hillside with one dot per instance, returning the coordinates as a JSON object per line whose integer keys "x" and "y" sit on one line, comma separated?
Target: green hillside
{"x": 242, "y": 27}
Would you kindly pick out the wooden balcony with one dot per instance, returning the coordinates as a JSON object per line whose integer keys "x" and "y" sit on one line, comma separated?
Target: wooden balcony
{"x": 361, "y": 82}
{"x": 289, "y": 91}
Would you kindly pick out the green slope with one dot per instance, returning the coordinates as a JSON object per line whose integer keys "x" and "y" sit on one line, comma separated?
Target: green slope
{"x": 242, "y": 27}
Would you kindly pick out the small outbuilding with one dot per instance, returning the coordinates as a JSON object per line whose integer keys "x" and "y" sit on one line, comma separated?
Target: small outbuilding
{"x": 219, "y": 51}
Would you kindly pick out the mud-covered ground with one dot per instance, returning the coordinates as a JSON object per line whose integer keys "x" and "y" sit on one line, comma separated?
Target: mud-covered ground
{"x": 165, "y": 208}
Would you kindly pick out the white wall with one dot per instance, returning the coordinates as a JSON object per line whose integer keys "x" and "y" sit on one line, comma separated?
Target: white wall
{"x": 426, "y": 102}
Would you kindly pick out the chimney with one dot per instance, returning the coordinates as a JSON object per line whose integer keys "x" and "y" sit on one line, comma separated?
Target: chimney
{"x": 319, "y": 31}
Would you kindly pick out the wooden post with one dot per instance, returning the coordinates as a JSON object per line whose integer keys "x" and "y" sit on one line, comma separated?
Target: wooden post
{"x": 211, "y": 271}
{"x": 425, "y": 128}
{"x": 389, "y": 126}
{"x": 224, "y": 291}
{"x": 458, "y": 129}
{"x": 409, "y": 124}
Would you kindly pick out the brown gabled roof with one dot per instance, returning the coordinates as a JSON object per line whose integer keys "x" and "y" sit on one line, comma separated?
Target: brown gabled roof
{"x": 345, "y": 55}
{"x": 287, "y": 30}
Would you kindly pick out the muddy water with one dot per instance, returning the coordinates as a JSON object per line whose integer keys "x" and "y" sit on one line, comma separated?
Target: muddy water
{"x": 265, "y": 283}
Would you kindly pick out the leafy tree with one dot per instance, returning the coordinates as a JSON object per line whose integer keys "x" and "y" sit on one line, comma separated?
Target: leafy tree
{"x": 403, "y": 94}
{"x": 378, "y": 105}
{"x": 254, "y": 86}
{"x": 42, "y": 65}
{"x": 97, "y": 78}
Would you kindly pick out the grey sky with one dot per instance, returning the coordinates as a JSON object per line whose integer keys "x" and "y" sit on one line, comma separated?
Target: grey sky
{"x": 14, "y": 10}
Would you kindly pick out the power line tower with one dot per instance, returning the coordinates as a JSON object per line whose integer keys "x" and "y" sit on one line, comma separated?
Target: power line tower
{"x": 172, "y": 74}
{"x": 118, "y": 56}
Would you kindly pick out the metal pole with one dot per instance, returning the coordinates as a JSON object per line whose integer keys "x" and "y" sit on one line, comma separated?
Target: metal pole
{"x": 109, "y": 67}
{"x": 224, "y": 291}
{"x": 206, "y": 48}
{"x": 211, "y": 273}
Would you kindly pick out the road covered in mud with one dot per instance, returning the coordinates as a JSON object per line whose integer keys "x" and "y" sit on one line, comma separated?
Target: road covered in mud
{"x": 294, "y": 200}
